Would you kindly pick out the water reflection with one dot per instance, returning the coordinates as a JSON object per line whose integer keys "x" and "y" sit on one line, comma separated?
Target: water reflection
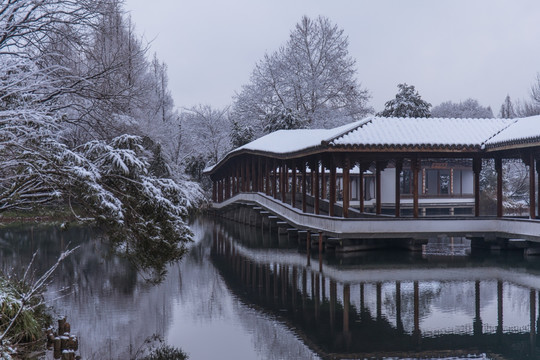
{"x": 392, "y": 304}
{"x": 113, "y": 309}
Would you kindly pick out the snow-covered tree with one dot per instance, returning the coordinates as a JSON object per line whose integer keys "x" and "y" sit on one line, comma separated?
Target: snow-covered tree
{"x": 208, "y": 131}
{"x": 280, "y": 119}
{"x": 312, "y": 74}
{"x": 407, "y": 103}
{"x": 469, "y": 108}
{"x": 112, "y": 177}
{"x": 507, "y": 109}
{"x": 240, "y": 134}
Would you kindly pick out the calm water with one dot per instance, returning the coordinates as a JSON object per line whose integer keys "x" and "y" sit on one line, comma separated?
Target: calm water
{"x": 240, "y": 294}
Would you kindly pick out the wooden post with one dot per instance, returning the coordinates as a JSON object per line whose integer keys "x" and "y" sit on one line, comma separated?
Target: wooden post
{"x": 243, "y": 175}
{"x": 332, "y": 187}
{"x": 316, "y": 195}
{"x": 220, "y": 190}
{"x": 248, "y": 175}
{"x": 498, "y": 169}
{"x": 293, "y": 187}
{"x": 214, "y": 191}
{"x": 378, "y": 209}
{"x": 399, "y": 167}
{"x": 238, "y": 177}
{"x": 532, "y": 187}
{"x": 274, "y": 183}
{"x": 260, "y": 177}
{"x": 267, "y": 189}
{"x": 477, "y": 167}
{"x": 415, "y": 167}
{"x": 285, "y": 180}
{"x": 538, "y": 195}
{"x": 361, "y": 186}
{"x": 346, "y": 186}
{"x": 323, "y": 182}
{"x": 227, "y": 186}
{"x": 254, "y": 180}
{"x": 304, "y": 183}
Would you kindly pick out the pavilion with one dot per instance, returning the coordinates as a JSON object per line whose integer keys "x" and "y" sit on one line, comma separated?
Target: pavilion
{"x": 276, "y": 165}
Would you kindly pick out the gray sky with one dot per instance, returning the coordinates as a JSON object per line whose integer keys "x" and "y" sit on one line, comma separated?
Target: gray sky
{"x": 447, "y": 49}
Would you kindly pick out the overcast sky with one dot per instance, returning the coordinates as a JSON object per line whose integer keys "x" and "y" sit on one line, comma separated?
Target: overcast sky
{"x": 447, "y": 49}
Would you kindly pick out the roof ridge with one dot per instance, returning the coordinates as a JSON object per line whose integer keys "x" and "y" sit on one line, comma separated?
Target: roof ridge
{"x": 510, "y": 123}
{"x": 358, "y": 124}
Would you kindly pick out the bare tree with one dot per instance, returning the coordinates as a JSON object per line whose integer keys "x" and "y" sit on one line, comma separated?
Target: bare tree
{"x": 469, "y": 108}
{"x": 208, "y": 130}
{"x": 312, "y": 75}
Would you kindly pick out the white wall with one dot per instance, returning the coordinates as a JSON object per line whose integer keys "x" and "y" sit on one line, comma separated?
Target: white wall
{"x": 388, "y": 185}
{"x": 468, "y": 182}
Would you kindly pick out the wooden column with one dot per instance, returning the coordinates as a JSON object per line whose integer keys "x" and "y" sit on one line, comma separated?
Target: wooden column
{"x": 332, "y": 187}
{"x": 227, "y": 186}
{"x": 238, "y": 177}
{"x": 260, "y": 176}
{"x": 220, "y": 190}
{"x": 254, "y": 180}
{"x": 243, "y": 175}
{"x": 214, "y": 191}
{"x": 532, "y": 187}
{"x": 285, "y": 181}
{"x": 415, "y": 167}
{"x": 346, "y": 185}
{"x": 267, "y": 176}
{"x": 477, "y": 167}
{"x": 378, "y": 208}
{"x": 498, "y": 169}
{"x": 274, "y": 183}
{"x": 538, "y": 195}
{"x": 248, "y": 175}
{"x": 293, "y": 187}
{"x": 304, "y": 183}
{"x": 361, "y": 168}
{"x": 315, "y": 166}
{"x": 399, "y": 167}
{"x": 323, "y": 182}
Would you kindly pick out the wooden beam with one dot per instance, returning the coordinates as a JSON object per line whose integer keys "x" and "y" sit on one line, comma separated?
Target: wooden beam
{"x": 499, "y": 195}
{"x": 399, "y": 167}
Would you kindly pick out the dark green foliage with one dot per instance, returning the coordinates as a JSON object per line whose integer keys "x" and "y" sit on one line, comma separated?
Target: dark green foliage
{"x": 30, "y": 322}
{"x": 280, "y": 119}
{"x": 240, "y": 135}
{"x": 195, "y": 165}
{"x": 407, "y": 103}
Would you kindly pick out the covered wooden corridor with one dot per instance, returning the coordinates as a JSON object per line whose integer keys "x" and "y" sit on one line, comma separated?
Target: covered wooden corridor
{"x": 301, "y": 167}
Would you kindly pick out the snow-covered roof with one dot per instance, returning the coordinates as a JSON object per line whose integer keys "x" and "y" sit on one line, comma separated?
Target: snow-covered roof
{"x": 422, "y": 132}
{"x": 524, "y": 130}
{"x": 399, "y": 134}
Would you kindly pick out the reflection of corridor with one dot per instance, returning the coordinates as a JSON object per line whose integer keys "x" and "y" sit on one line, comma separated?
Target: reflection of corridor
{"x": 332, "y": 316}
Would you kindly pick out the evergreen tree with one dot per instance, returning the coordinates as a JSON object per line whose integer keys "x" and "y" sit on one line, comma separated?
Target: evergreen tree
{"x": 407, "y": 103}
{"x": 280, "y": 119}
{"x": 507, "y": 109}
{"x": 240, "y": 135}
